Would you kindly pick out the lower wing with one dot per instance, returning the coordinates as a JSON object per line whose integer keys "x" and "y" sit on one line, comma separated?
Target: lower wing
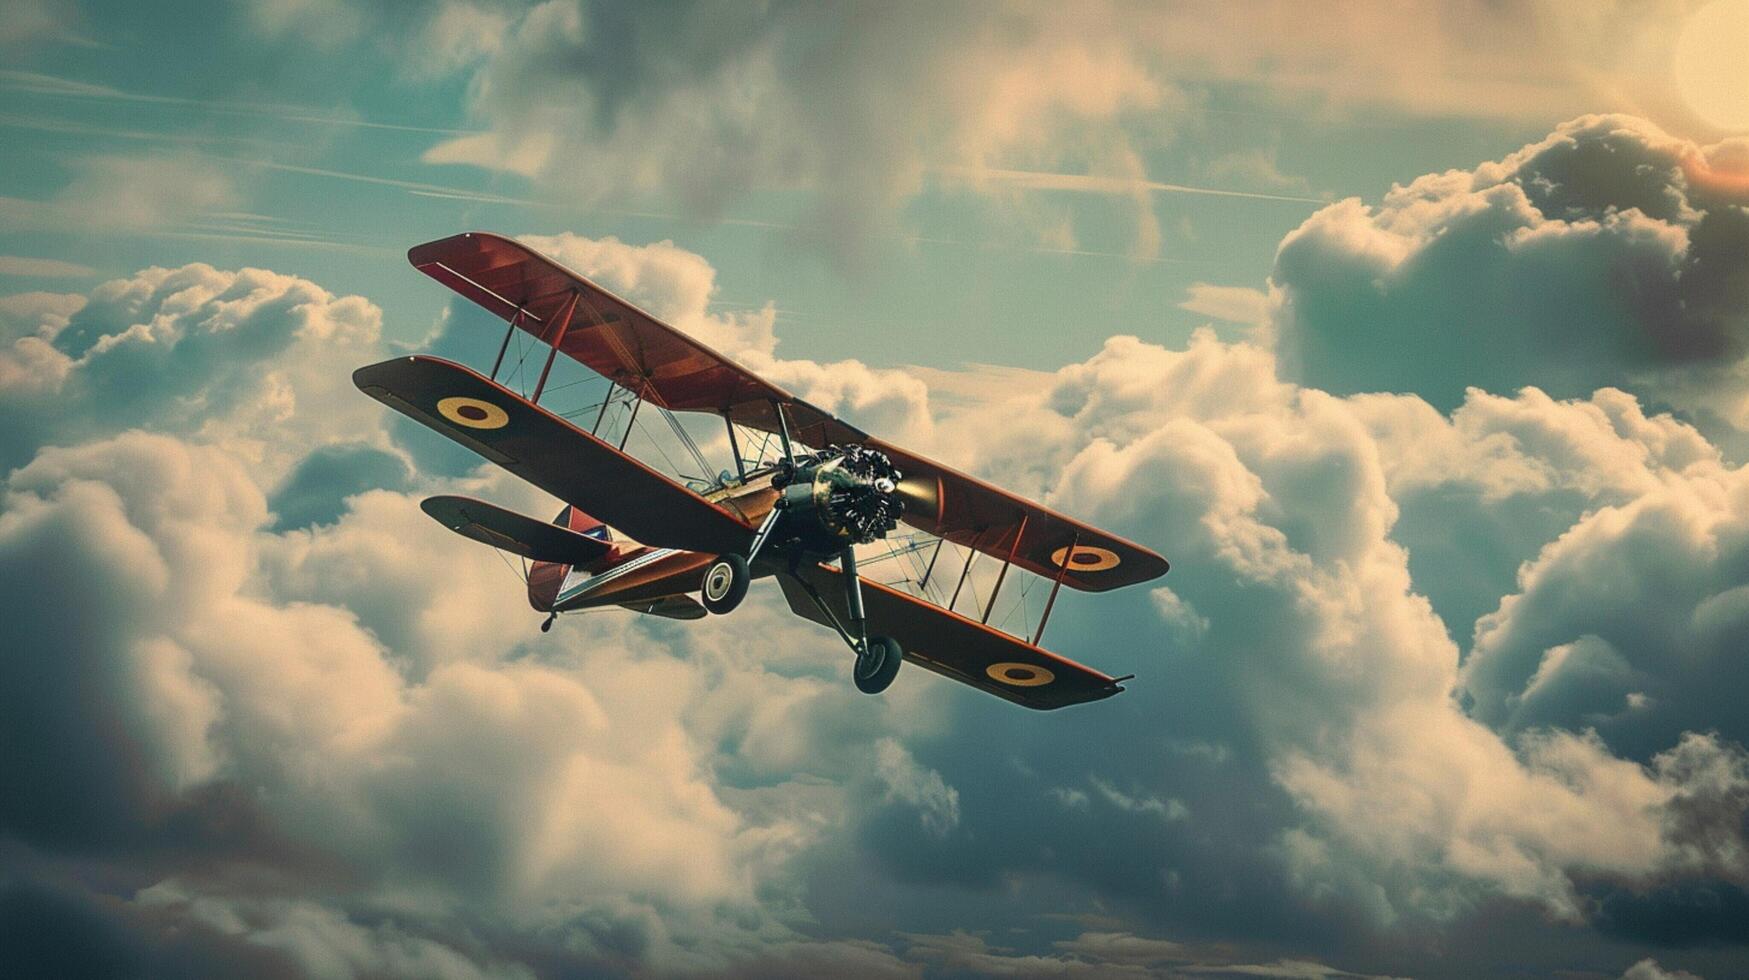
{"x": 952, "y": 645}
{"x": 552, "y": 454}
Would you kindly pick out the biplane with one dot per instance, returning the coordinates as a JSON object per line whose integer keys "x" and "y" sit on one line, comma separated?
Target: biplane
{"x": 632, "y": 536}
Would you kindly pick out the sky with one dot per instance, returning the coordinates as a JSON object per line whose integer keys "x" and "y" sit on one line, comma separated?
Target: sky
{"x": 1415, "y": 335}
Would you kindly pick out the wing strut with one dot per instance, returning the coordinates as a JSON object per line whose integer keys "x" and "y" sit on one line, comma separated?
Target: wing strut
{"x": 637, "y": 403}
{"x": 1063, "y": 570}
{"x": 923, "y": 583}
{"x": 564, "y": 324}
{"x": 735, "y": 448}
{"x": 971, "y": 555}
{"x": 990, "y": 606}
{"x": 783, "y": 431}
{"x": 606, "y": 400}
{"x": 506, "y": 345}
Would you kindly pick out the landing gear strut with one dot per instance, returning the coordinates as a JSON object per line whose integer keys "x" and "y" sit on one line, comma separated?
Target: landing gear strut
{"x": 877, "y": 657}
{"x": 546, "y": 625}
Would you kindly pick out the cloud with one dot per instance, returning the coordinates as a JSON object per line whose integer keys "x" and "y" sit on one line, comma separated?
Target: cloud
{"x": 129, "y": 193}
{"x": 1600, "y": 255}
{"x": 316, "y": 491}
{"x": 847, "y": 108}
{"x": 1631, "y": 623}
{"x": 1322, "y": 663}
{"x": 34, "y": 21}
{"x": 286, "y": 669}
{"x": 850, "y": 115}
{"x": 937, "y": 804}
{"x": 580, "y": 788}
{"x": 24, "y": 266}
{"x": 1648, "y": 969}
{"x": 1234, "y": 304}
{"x": 293, "y": 720}
{"x": 240, "y": 355}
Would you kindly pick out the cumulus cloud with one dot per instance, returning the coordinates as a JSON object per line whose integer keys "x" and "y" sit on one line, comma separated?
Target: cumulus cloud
{"x": 295, "y": 720}
{"x": 1632, "y": 623}
{"x": 858, "y": 115}
{"x": 181, "y": 707}
{"x": 1608, "y": 253}
{"x": 1332, "y": 674}
{"x": 230, "y": 650}
{"x": 226, "y": 353}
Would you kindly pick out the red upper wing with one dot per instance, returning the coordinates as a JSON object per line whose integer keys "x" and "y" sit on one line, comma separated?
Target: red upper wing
{"x": 975, "y": 514}
{"x": 616, "y": 339}
{"x": 619, "y": 341}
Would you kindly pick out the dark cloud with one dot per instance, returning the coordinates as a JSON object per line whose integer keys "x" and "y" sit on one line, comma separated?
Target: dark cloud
{"x": 1607, "y": 254}
{"x": 50, "y": 931}
{"x": 1633, "y": 623}
{"x": 316, "y": 491}
{"x": 1690, "y": 913}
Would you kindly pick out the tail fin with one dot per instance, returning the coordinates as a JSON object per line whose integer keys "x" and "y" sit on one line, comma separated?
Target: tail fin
{"x": 546, "y": 577}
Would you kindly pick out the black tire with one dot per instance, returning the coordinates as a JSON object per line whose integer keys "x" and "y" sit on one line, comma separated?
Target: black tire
{"x": 875, "y": 671}
{"x": 724, "y": 584}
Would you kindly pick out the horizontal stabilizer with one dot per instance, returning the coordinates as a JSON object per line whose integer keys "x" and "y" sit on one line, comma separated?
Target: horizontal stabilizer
{"x": 512, "y": 532}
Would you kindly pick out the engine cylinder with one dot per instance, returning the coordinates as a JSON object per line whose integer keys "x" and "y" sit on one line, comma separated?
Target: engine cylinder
{"x": 850, "y": 492}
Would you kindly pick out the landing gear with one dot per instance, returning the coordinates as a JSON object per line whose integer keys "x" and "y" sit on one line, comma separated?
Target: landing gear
{"x": 877, "y": 664}
{"x": 546, "y": 625}
{"x": 878, "y": 658}
{"x": 725, "y": 583}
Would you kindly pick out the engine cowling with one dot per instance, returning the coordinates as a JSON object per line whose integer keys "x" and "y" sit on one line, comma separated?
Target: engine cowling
{"x": 849, "y": 494}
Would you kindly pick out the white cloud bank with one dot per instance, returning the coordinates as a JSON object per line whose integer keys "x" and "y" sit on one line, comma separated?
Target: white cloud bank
{"x": 340, "y": 743}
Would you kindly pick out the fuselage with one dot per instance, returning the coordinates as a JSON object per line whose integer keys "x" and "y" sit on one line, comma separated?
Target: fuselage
{"x": 636, "y": 572}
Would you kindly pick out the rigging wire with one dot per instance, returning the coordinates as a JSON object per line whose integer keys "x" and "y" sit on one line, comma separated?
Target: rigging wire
{"x": 658, "y": 446}
{"x": 522, "y": 353}
{"x": 521, "y": 575}
{"x": 573, "y": 384}
{"x": 594, "y": 406}
{"x": 686, "y": 441}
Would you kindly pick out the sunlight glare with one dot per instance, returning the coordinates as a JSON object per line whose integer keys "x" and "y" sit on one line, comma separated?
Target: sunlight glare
{"x": 1711, "y": 70}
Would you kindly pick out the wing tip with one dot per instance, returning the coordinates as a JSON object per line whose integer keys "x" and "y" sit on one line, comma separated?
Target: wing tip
{"x": 425, "y": 253}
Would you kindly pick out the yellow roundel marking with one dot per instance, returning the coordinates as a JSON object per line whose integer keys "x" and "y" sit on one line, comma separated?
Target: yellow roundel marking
{"x": 473, "y": 413}
{"x": 1020, "y": 675}
{"x": 1086, "y": 558}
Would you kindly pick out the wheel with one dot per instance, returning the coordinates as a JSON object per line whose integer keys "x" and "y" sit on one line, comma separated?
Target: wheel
{"x": 725, "y": 583}
{"x": 875, "y": 670}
